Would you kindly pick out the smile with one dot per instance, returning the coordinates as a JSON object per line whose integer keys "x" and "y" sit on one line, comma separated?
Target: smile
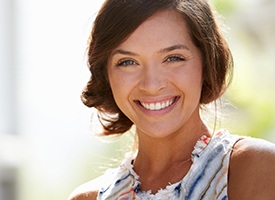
{"x": 155, "y": 106}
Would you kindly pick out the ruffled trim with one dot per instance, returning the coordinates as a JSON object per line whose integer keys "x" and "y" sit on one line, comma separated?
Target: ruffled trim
{"x": 199, "y": 147}
{"x": 127, "y": 180}
{"x": 127, "y": 165}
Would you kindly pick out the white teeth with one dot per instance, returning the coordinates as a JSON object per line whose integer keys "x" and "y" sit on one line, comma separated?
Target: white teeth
{"x": 158, "y": 106}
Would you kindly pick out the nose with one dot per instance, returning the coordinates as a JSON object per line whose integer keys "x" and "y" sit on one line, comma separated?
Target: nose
{"x": 152, "y": 80}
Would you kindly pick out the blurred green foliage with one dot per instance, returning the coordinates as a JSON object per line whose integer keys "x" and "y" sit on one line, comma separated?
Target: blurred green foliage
{"x": 224, "y": 6}
{"x": 252, "y": 94}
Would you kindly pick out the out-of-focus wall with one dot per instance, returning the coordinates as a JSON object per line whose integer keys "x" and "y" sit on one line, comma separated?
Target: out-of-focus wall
{"x": 8, "y": 122}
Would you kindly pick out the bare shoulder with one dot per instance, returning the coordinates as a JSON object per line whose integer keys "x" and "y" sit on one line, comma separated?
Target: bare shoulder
{"x": 87, "y": 191}
{"x": 252, "y": 170}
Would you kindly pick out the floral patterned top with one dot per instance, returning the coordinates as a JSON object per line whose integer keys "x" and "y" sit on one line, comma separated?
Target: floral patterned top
{"x": 206, "y": 179}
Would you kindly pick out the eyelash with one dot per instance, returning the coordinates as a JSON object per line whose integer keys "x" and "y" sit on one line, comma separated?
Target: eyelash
{"x": 129, "y": 62}
{"x": 125, "y": 63}
{"x": 175, "y": 58}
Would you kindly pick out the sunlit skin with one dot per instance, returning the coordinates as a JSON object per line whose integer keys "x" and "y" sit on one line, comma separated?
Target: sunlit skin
{"x": 158, "y": 63}
{"x": 156, "y": 79}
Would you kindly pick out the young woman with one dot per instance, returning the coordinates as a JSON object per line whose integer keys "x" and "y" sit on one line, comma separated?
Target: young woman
{"x": 154, "y": 64}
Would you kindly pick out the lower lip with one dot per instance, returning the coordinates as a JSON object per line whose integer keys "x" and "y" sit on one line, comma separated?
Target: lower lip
{"x": 158, "y": 112}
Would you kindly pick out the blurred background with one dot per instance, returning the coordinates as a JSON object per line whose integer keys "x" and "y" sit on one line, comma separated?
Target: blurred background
{"x": 47, "y": 147}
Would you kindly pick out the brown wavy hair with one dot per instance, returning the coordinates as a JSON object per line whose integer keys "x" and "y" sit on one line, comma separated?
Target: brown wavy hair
{"x": 117, "y": 19}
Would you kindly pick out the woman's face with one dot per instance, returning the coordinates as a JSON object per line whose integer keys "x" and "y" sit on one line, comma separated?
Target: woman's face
{"x": 156, "y": 76}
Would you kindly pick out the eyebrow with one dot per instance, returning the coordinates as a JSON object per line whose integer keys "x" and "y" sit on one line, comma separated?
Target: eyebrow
{"x": 168, "y": 49}
{"x": 124, "y": 52}
{"x": 174, "y": 47}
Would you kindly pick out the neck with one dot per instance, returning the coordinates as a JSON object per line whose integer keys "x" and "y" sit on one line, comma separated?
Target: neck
{"x": 166, "y": 160}
{"x": 157, "y": 153}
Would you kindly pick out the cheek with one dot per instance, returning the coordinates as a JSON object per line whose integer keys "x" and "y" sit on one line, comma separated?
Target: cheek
{"x": 188, "y": 78}
{"x": 123, "y": 80}
{"x": 190, "y": 83}
{"x": 196, "y": 75}
{"x": 120, "y": 86}
{"x": 115, "y": 86}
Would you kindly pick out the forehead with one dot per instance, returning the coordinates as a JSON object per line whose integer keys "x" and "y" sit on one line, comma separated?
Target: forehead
{"x": 161, "y": 29}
